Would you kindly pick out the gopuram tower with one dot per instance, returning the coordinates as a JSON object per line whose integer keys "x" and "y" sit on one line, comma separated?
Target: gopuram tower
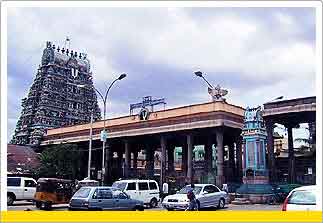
{"x": 62, "y": 94}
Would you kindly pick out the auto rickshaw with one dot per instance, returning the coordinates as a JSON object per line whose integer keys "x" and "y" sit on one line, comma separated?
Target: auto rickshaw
{"x": 51, "y": 191}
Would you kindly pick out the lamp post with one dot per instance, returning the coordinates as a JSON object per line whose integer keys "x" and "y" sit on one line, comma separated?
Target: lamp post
{"x": 103, "y": 133}
{"x": 199, "y": 74}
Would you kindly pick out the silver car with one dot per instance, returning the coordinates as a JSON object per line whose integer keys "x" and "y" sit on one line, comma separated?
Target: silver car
{"x": 207, "y": 195}
{"x": 103, "y": 198}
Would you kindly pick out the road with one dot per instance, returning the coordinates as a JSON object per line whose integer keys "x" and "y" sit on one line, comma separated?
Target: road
{"x": 22, "y": 205}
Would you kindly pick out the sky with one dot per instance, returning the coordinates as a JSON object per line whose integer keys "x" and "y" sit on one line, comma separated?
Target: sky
{"x": 257, "y": 54}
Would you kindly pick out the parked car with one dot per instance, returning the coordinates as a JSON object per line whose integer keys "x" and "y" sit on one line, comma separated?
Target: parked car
{"x": 302, "y": 199}
{"x": 146, "y": 191}
{"x": 20, "y": 188}
{"x": 52, "y": 191}
{"x": 103, "y": 198}
{"x": 207, "y": 195}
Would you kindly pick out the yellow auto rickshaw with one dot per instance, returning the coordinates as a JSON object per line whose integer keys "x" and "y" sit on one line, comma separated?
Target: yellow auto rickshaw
{"x": 51, "y": 191}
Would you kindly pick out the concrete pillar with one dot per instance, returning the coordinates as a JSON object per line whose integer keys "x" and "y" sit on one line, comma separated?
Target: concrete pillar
{"x": 189, "y": 139}
{"x": 170, "y": 154}
{"x": 108, "y": 170}
{"x": 232, "y": 167}
{"x": 219, "y": 162}
{"x": 239, "y": 158}
{"x": 208, "y": 155}
{"x": 163, "y": 160}
{"x": 184, "y": 159}
{"x": 120, "y": 164}
{"x": 135, "y": 162}
{"x": 270, "y": 148}
{"x": 149, "y": 151}
{"x": 127, "y": 158}
{"x": 291, "y": 158}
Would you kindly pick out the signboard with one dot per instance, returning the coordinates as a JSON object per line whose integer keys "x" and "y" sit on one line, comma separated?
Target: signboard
{"x": 309, "y": 170}
{"x": 104, "y": 136}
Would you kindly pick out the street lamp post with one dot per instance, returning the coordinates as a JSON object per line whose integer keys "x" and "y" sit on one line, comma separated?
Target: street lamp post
{"x": 103, "y": 133}
{"x": 199, "y": 74}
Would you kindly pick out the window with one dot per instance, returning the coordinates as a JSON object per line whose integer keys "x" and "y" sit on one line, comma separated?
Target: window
{"x": 117, "y": 194}
{"x": 131, "y": 186}
{"x": 119, "y": 185}
{"x": 30, "y": 183}
{"x": 302, "y": 197}
{"x": 152, "y": 186}
{"x": 102, "y": 194}
{"x": 211, "y": 189}
{"x": 143, "y": 186}
{"x": 13, "y": 182}
{"x": 82, "y": 192}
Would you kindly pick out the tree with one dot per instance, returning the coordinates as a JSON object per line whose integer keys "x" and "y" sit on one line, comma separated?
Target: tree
{"x": 61, "y": 161}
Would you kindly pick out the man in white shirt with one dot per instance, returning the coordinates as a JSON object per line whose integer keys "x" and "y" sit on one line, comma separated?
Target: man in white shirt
{"x": 165, "y": 191}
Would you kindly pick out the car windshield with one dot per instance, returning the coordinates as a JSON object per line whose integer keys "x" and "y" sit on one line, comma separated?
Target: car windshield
{"x": 185, "y": 189}
{"x": 82, "y": 192}
{"x": 302, "y": 197}
{"x": 120, "y": 185}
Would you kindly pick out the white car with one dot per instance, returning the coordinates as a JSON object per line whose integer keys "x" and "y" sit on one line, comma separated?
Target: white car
{"x": 302, "y": 199}
{"x": 207, "y": 195}
{"x": 20, "y": 188}
{"x": 142, "y": 190}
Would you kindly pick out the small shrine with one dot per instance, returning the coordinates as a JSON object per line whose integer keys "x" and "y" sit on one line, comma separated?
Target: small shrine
{"x": 254, "y": 146}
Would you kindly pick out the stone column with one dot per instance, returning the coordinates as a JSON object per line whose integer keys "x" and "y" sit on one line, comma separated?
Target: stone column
{"x": 109, "y": 158}
{"x": 189, "y": 139}
{"x": 170, "y": 153}
{"x": 127, "y": 163}
{"x": 270, "y": 148}
{"x": 135, "y": 162}
{"x": 184, "y": 159}
{"x": 239, "y": 158}
{"x": 162, "y": 160}
{"x": 149, "y": 151}
{"x": 291, "y": 158}
{"x": 208, "y": 155}
{"x": 219, "y": 162}
{"x": 120, "y": 164}
{"x": 232, "y": 167}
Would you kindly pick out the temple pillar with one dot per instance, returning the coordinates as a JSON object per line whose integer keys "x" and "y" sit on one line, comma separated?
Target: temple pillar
{"x": 270, "y": 148}
{"x": 170, "y": 154}
{"x": 108, "y": 175}
{"x": 149, "y": 151}
{"x": 120, "y": 164}
{"x": 184, "y": 159}
{"x": 208, "y": 155}
{"x": 219, "y": 163}
{"x": 239, "y": 157}
{"x": 127, "y": 163}
{"x": 163, "y": 160}
{"x": 135, "y": 162}
{"x": 232, "y": 167}
{"x": 291, "y": 158}
{"x": 189, "y": 140}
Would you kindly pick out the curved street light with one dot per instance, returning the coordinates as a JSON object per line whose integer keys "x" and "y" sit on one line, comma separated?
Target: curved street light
{"x": 199, "y": 74}
{"x": 103, "y": 133}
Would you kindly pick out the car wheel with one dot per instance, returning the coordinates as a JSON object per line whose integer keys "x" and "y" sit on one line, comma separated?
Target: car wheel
{"x": 139, "y": 208}
{"x": 38, "y": 204}
{"x": 10, "y": 199}
{"x": 46, "y": 206}
{"x": 153, "y": 203}
{"x": 170, "y": 209}
{"x": 221, "y": 203}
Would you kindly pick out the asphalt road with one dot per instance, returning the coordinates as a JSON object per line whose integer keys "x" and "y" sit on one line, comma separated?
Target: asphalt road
{"x": 22, "y": 205}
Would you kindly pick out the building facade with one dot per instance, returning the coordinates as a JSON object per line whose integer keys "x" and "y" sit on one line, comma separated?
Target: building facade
{"x": 62, "y": 94}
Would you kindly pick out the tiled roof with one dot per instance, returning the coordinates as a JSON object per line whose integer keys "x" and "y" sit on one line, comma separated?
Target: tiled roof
{"x": 21, "y": 159}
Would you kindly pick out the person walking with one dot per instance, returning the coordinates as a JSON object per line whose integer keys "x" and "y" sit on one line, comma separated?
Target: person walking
{"x": 192, "y": 199}
{"x": 164, "y": 191}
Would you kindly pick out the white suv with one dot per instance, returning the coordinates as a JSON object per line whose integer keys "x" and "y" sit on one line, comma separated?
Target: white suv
{"x": 142, "y": 190}
{"x": 20, "y": 188}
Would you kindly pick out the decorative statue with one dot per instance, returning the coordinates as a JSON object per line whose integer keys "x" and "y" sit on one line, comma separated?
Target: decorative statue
{"x": 217, "y": 93}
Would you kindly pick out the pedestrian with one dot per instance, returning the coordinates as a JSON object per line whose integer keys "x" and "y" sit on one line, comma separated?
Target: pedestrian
{"x": 192, "y": 199}
{"x": 164, "y": 190}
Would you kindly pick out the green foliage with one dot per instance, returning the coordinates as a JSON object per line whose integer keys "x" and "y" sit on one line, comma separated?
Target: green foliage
{"x": 61, "y": 161}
